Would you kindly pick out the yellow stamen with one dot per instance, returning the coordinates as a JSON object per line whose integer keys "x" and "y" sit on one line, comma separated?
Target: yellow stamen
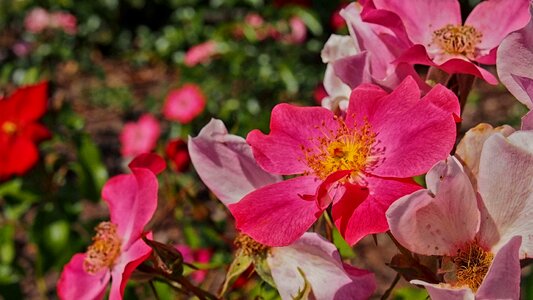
{"x": 250, "y": 247}
{"x": 9, "y": 127}
{"x": 457, "y": 40}
{"x": 104, "y": 250}
{"x": 346, "y": 149}
{"x": 472, "y": 264}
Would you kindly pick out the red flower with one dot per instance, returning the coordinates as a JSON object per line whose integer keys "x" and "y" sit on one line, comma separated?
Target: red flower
{"x": 19, "y": 130}
{"x": 176, "y": 151}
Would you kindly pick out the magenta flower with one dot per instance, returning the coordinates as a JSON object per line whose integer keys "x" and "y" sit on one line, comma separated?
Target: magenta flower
{"x": 139, "y": 137}
{"x": 200, "y": 53}
{"x": 226, "y": 165}
{"x": 481, "y": 236}
{"x": 117, "y": 247}
{"x": 360, "y": 164}
{"x": 64, "y": 21}
{"x": 439, "y": 38}
{"x": 184, "y": 104}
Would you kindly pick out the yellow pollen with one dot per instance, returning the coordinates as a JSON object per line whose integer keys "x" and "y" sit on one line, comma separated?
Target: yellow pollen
{"x": 458, "y": 39}
{"x": 104, "y": 250}
{"x": 249, "y": 246}
{"x": 472, "y": 264}
{"x": 346, "y": 149}
{"x": 9, "y": 127}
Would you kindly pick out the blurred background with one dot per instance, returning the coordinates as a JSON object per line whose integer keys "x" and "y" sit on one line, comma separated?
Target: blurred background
{"x": 112, "y": 65}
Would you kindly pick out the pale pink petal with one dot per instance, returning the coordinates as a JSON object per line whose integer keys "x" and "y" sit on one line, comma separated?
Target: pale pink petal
{"x": 527, "y": 121}
{"x": 422, "y": 17}
{"x": 336, "y": 89}
{"x": 75, "y": 283}
{"x": 446, "y": 292}
{"x": 150, "y": 161}
{"x": 140, "y": 137}
{"x": 469, "y": 148}
{"x": 515, "y": 61}
{"x": 225, "y": 163}
{"x": 352, "y": 70}
{"x": 278, "y": 214}
{"x": 413, "y": 134}
{"x": 506, "y": 185}
{"x": 128, "y": 261}
{"x": 439, "y": 220}
{"x": 361, "y": 210}
{"x": 280, "y": 152}
{"x": 321, "y": 263}
{"x": 503, "y": 278}
{"x": 511, "y": 16}
{"x": 337, "y": 47}
{"x": 132, "y": 200}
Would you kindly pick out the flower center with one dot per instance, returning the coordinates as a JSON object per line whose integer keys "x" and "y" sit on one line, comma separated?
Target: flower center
{"x": 472, "y": 264}
{"x": 249, "y": 246}
{"x": 9, "y": 127}
{"x": 458, "y": 39}
{"x": 104, "y": 250}
{"x": 345, "y": 149}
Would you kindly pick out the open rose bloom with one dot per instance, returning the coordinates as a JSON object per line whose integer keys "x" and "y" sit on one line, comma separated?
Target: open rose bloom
{"x": 117, "y": 247}
{"x": 226, "y": 165}
{"x": 360, "y": 164}
{"x": 481, "y": 233}
{"x": 439, "y": 38}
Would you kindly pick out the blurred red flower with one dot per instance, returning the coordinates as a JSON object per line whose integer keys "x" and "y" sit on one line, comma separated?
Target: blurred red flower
{"x": 19, "y": 130}
{"x": 176, "y": 150}
{"x": 184, "y": 104}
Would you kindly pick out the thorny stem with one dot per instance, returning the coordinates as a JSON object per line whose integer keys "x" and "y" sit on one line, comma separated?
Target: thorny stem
{"x": 388, "y": 292}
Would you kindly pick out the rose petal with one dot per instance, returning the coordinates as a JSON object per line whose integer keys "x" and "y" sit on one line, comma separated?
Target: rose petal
{"x": 75, "y": 283}
{"x": 445, "y": 292}
{"x": 278, "y": 214}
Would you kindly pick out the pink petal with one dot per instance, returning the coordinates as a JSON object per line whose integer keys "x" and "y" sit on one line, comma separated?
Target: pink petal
{"x": 511, "y": 16}
{"x": 75, "y": 283}
{"x": 152, "y": 162}
{"x": 352, "y": 70}
{"x": 422, "y": 17}
{"x": 446, "y": 292}
{"x": 337, "y": 47}
{"x": 444, "y": 98}
{"x": 280, "y": 152}
{"x": 527, "y": 121}
{"x": 506, "y": 186}
{"x": 278, "y": 214}
{"x": 503, "y": 278}
{"x": 225, "y": 163}
{"x": 132, "y": 200}
{"x": 438, "y": 220}
{"x": 515, "y": 63}
{"x": 140, "y": 137}
{"x": 321, "y": 263}
{"x": 128, "y": 262}
{"x": 361, "y": 210}
{"x": 413, "y": 134}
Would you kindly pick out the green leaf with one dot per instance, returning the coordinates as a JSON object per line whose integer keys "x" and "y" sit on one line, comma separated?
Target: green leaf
{"x": 303, "y": 293}
{"x": 263, "y": 270}
{"x": 344, "y": 249}
{"x": 410, "y": 293}
{"x": 240, "y": 264}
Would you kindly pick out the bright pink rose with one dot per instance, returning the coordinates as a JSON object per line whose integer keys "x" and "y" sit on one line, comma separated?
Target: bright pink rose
{"x": 139, "y": 137}
{"x": 360, "y": 164}
{"x": 117, "y": 247}
{"x": 226, "y": 165}
{"x": 200, "y": 53}
{"x": 65, "y": 21}
{"x": 438, "y": 36}
{"x": 184, "y": 104}
{"x": 37, "y": 20}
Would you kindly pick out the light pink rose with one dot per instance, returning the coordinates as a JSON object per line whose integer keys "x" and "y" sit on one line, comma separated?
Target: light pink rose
{"x": 139, "y": 137}
{"x": 200, "y": 53}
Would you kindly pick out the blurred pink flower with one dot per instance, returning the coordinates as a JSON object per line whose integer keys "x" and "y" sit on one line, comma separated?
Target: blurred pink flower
{"x": 21, "y": 48}
{"x": 254, "y": 20}
{"x": 438, "y": 37}
{"x": 226, "y": 165}
{"x": 184, "y": 104}
{"x": 192, "y": 256}
{"x": 37, "y": 20}
{"x": 298, "y": 32}
{"x": 139, "y": 137}
{"x": 117, "y": 247}
{"x": 200, "y": 53}
{"x": 359, "y": 164}
{"x": 65, "y": 21}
